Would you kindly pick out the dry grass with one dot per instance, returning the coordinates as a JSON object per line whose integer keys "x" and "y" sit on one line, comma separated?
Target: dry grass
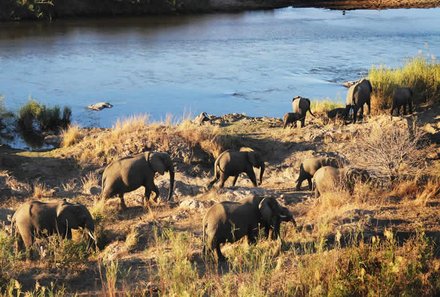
{"x": 323, "y": 106}
{"x": 90, "y": 181}
{"x": 73, "y": 134}
{"x": 42, "y": 191}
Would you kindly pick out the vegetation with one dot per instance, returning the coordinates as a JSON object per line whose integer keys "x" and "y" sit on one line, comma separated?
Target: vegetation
{"x": 35, "y": 116}
{"x": 419, "y": 73}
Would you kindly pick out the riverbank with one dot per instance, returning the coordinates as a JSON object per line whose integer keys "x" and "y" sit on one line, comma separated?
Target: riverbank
{"x": 159, "y": 248}
{"x": 11, "y": 10}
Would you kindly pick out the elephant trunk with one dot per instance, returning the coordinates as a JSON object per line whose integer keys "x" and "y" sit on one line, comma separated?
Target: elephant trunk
{"x": 262, "y": 166}
{"x": 170, "y": 193}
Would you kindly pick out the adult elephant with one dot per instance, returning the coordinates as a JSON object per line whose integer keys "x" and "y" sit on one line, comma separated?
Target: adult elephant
{"x": 358, "y": 95}
{"x": 130, "y": 173}
{"x": 328, "y": 178}
{"x": 301, "y": 105}
{"x": 36, "y": 218}
{"x": 232, "y": 163}
{"x": 401, "y": 98}
{"x": 229, "y": 221}
{"x": 308, "y": 168}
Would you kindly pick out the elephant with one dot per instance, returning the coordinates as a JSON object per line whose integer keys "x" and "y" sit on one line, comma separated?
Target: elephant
{"x": 402, "y": 97}
{"x": 328, "y": 178}
{"x": 337, "y": 113}
{"x": 309, "y": 167}
{"x": 232, "y": 163}
{"x": 230, "y": 221}
{"x": 128, "y": 174}
{"x": 301, "y": 105}
{"x": 358, "y": 95}
{"x": 291, "y": 118}
{"x": 37, "y": 218}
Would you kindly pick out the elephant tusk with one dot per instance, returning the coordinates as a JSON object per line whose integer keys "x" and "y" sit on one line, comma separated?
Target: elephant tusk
{"x": 283, "y": 216}
{"x": 91, "y": 235}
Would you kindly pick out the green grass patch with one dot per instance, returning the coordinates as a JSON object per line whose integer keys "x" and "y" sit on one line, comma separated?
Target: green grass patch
{"x": 419, "y": 73}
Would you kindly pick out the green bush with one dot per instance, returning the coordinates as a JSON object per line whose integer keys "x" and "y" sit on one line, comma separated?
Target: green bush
{"x": 47, "y": 118}
{"x": 420, "y": 74}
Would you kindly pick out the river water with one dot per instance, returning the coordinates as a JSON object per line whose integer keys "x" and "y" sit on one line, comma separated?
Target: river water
{"x": 251, "y": 62}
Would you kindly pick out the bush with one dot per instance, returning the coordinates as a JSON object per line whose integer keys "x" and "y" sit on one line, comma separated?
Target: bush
{"x": 34, "y": 115}
{"x": 420, "y": 74}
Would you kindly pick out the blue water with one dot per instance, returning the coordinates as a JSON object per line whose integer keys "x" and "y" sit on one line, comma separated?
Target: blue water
{"x": 252, "y": 62}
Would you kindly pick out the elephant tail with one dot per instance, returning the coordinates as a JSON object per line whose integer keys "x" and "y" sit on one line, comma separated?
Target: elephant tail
{"x": 205, "y": 225}
{"x": 309, "y": 110}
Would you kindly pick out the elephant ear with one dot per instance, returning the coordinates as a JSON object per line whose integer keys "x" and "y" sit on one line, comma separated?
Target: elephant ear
{"x": 158, "y": 162}
{"x": 266, "y": 210}
{"x": 254, "y": 158}
{"x": 66, "y": 217}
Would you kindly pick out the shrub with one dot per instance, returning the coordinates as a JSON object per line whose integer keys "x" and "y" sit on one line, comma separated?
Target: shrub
{"x": 420, "y": 74}
{"x": 390, "y": 151}
{"x": 46, "y": 118}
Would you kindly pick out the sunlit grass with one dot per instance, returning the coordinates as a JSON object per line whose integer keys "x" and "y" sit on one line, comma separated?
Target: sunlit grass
{"x": 420, "y": 74}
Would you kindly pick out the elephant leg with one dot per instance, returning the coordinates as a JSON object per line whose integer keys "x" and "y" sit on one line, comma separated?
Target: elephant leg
{"x": 122, "y": 204}
{"x": 223, "y": 178}
{"x": 392, "y": 109}
{"x": 252, "y": 236}
{"x": 218, "y": 251}
{"x": 156, "y": 192}
{"x": 251, "y": 174}
{"x": 410, "y": 107}
{"x": 303, "y": 121}
{"x": 235, "y": 180}
{"x": 146, "y": 197}
{"x": 309, "y": 180}
{"x": 355, "y": 110}
{"x": 361, "y": 113}
{"x": 299, "y": 183}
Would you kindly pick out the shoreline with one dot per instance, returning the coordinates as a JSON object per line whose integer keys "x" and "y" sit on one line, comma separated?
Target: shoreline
{"x": 11, "y": 11}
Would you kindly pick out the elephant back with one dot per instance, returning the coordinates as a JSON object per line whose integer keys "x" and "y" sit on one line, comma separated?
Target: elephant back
{"x": 300, "y": 105}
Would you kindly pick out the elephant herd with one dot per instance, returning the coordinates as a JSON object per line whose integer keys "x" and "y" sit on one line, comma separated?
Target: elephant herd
{"x": 358, "y": 95}
{"x": 225, "y": 221}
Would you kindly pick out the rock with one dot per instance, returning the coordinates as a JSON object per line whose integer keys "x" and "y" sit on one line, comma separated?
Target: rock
{"x": 99, "y": 106}
{"x": 201, "y": 118}
{"x": 53, "y": 140}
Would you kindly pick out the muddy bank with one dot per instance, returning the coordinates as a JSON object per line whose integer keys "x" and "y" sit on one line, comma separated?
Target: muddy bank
{"x": 361, "y": 4}
{"x": 12, "y": 10}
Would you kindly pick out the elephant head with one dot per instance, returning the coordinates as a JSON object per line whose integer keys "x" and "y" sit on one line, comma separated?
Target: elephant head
{"x": 272, "y": 214}
{"x": 255, "y": 160}
{"x": 161, "y": 162}
{"x": 75, "y": 216}
{"x": 354, "y": 175}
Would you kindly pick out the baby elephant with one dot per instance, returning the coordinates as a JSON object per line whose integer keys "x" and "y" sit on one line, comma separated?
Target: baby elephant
{"x": 337, "y": 113}
{"x": 309, "y": 167}
{"x": 401, "y": 98}
{"x": 232, "y": 163}
{"x": 291, "y": 118}
{"x": 36, "y": 218}
{"x": 230, "y": 221}
{"x": 329, "y": 178}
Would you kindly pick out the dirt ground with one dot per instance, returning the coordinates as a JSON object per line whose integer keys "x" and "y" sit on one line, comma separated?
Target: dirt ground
{"x": 363, "y": 4}
{"x": 59, "y": 175}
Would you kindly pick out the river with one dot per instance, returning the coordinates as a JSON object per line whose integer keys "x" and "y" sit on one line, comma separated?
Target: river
{"x": 251, "y": 62}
